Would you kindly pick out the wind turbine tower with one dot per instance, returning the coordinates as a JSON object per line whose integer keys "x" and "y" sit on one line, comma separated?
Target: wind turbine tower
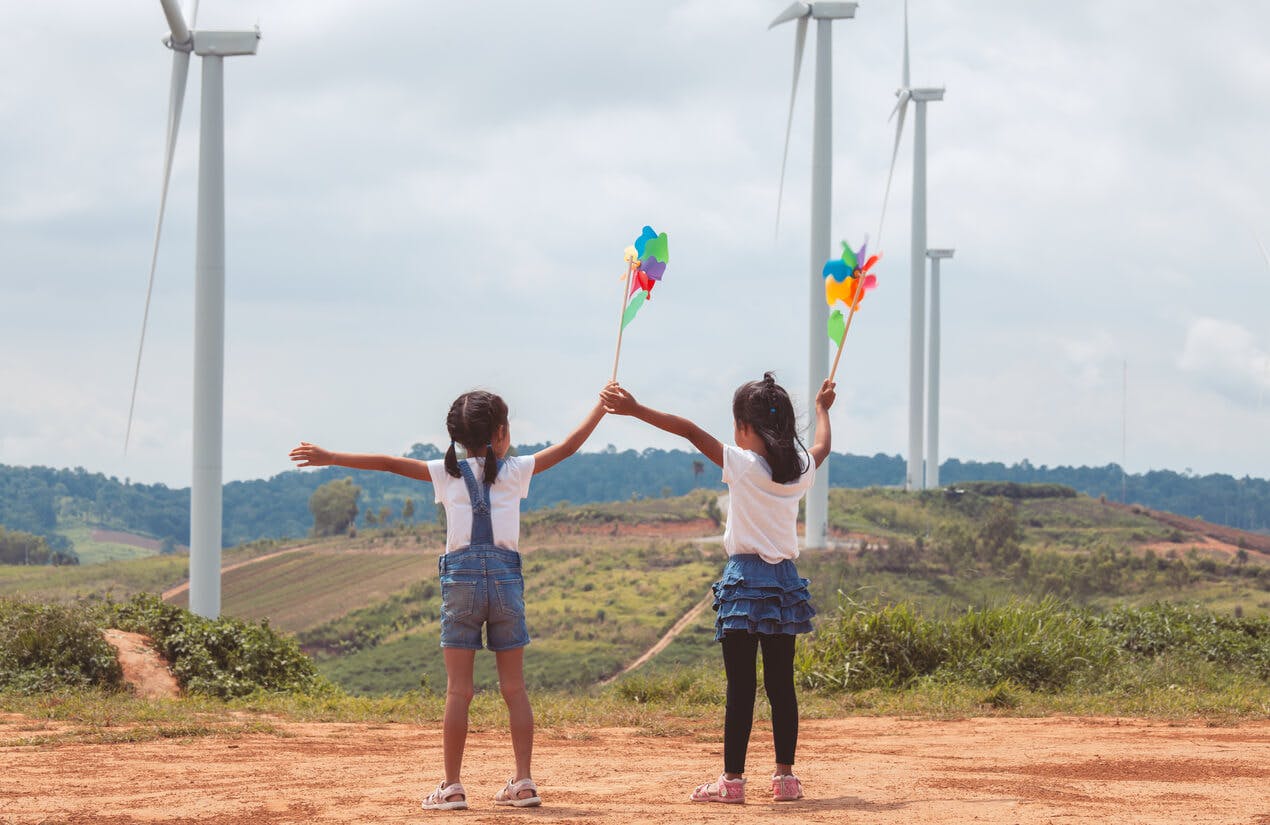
{"x": 932, "y": 398}
{"x": 209, "y": 286}
{"x": 824, "y": 13}
{"x": 917, "y": 281}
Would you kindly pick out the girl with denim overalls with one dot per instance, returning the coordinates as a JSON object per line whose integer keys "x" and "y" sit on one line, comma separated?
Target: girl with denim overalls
{"x": 481, "y": 581}
{"x": 761, "y": 601}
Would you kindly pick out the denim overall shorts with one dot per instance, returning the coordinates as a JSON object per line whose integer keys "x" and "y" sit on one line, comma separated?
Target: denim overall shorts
{"x": 481, "y": 584}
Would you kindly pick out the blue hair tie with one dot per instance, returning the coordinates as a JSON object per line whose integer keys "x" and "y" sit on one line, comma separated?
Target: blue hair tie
{"x": 771, "y": 411}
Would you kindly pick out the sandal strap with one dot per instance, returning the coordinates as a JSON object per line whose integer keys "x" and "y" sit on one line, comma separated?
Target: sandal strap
{"x": 444, "y": 792}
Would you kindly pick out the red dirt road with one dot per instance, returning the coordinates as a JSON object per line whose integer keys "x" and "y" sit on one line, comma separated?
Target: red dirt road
{"x": 865, "y": 770}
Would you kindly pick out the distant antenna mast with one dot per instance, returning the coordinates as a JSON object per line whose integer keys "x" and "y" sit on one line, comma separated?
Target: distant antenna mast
{"x": 1124, "y": 432}
{"x": 1265, "y": 378}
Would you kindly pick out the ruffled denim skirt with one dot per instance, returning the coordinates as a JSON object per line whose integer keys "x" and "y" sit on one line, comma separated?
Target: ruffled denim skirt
{"x": 760, "y": 597}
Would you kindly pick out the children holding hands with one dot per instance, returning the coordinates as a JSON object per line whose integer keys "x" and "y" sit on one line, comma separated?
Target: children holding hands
{"x": 761, "y": 601}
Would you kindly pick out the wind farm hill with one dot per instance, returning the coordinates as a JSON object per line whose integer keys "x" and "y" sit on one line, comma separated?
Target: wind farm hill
{"x": 100, "y": 518}
{"x": 607, "y": 583}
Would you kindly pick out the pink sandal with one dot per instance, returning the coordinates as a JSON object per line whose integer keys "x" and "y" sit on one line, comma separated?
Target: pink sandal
{"x": 443, "y": 798}
{"x": 511, "y": 794}
{"x": 721, "y": 790}
{"x": 786, "y": 788}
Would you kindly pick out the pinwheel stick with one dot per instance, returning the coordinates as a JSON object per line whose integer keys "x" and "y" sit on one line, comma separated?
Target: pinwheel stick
{"x": 847, "y": 328}
{"x": 626, "y": 296}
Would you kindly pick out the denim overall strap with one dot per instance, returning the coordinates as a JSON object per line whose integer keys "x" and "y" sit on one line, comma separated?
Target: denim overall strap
{"x": 478, "y": 492}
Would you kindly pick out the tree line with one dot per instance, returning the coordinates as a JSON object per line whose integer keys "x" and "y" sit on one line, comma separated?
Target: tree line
{"x": 40, "y": 500}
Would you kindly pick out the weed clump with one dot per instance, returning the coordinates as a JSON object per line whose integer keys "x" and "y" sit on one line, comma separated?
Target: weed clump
{"x": 46, "y": 647}
{"x": 221, "y": 657}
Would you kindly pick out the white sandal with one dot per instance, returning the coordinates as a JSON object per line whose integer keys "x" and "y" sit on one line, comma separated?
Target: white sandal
{"x": 511, "y": 794}
{"x": 442, "y": 799}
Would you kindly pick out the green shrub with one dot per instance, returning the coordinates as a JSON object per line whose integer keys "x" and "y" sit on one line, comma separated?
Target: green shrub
{"x": 1017, "y": 491}
{"x": 47, "y": 646}
{"x": 1040, "y": 646}
{"x": 218, "y": 657}
{"x": 867, "y": 646}
{"x": 1036, "y": 646}
{"x": 1164, "y": 628}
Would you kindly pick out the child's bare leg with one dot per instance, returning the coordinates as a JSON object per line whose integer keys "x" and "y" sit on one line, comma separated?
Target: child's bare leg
{"x": 458, "y": 696}
{"x": 511, "y": 682}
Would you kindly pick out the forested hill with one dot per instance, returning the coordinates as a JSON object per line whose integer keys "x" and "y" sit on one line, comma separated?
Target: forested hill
{"x": 41, "y": 500}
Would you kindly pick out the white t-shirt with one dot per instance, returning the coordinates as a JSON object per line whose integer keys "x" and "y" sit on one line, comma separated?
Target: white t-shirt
{"x": 511, "y": 485}
{"x": 762, "y": 514}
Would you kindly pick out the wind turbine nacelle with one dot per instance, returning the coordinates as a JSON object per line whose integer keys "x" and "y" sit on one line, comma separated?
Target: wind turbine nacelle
{"x": 833, "y": 10}
{"x": 225, "y": 44}
{"x": 925, "y": 95}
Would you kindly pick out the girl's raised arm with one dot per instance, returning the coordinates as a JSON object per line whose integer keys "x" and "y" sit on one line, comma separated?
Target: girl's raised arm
{"x": 549, "y": 457}
{"x": 824, "y": 400}
{"x": 311, "y": 455}
{"x": 620, "y": 402}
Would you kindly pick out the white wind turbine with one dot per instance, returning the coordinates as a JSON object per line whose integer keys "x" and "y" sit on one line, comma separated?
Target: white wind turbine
{"x": 917, "y": 254}
{"x": 824, "y": 13}
{"x": 209, "y": 285}
{"x": 932, "y": 398}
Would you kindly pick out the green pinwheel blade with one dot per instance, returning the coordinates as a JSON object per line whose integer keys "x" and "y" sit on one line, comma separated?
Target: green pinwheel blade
{"x": 837, "y": 327}
{"x": 632, "y": 308}
{"x": 848, "y": 257}
{"x": 658, "y": 248}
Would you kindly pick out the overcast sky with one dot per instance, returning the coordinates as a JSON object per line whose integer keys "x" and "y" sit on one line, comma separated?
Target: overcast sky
{"x": 428, "y": 197}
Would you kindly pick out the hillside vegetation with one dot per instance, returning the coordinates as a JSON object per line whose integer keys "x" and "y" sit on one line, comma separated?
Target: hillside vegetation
{"x": 96, "y": 518}
{"x": 605, "y": 581}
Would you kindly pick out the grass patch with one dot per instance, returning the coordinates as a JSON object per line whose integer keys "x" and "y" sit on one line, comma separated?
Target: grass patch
{"x": 1041, "y": 646}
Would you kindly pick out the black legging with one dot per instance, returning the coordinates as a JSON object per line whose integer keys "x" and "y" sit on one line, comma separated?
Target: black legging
{"x": 740, "y": 650}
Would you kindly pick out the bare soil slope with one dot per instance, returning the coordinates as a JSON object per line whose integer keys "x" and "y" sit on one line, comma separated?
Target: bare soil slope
{"x": 875, "y": 770}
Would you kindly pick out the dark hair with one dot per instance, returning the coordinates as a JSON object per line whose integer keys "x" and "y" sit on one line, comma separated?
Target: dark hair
{"x": 473, "y": 419}
{"x": 765, "y": 408}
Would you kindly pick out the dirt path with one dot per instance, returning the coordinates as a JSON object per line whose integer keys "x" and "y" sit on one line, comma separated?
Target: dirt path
{"x": 670, "y": 635}
{"x": 144, "y": 668}
{"x": 866, "y": 770}
{"x": 173, "y": 592}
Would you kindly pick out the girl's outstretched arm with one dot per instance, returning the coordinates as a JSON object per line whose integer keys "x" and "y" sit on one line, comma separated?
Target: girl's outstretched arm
{"x": 311, "y": 455}
{"x": 549, "y": 457}
{"x": 824, "y": 400}
{"x": 620, "y": 402}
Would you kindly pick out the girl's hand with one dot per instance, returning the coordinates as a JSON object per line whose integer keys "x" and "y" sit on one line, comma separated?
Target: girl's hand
{"x": 616, "y": 400}
{"x": 826, "y": 396}
{"x": 311, "y": 455}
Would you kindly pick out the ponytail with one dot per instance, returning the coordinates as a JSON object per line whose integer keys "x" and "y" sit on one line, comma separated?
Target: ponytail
{"x": 452, "y": 462}
{"x": 491, "y": 464}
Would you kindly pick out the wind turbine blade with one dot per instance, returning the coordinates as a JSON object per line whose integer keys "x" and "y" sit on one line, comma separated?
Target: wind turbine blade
{"x": 901, "y": 107}
{"x": 194, "y": 16}
{"x": 795, "y": 10}
{"x": 176, "y": 20}
{"x": 176, "y": 100}
{"x": 1262, "y": 248}
{"x": 800, "y": 40}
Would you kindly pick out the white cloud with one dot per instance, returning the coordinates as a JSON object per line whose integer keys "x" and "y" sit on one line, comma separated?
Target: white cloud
{"x": 1227, "y": 359}
{"x": 407, "y": 181}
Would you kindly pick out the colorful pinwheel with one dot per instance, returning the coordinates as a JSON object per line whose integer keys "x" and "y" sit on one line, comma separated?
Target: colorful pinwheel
{"x": 847, "y": 280}
{"x": 646, "y": 261}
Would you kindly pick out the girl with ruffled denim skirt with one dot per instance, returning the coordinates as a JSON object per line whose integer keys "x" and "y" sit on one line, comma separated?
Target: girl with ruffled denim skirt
{"x": 481, "y": 583}
{"x": 761, "y": 601}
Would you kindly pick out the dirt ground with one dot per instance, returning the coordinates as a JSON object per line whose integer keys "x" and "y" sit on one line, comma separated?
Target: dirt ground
{"x": 866, "y": 770}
